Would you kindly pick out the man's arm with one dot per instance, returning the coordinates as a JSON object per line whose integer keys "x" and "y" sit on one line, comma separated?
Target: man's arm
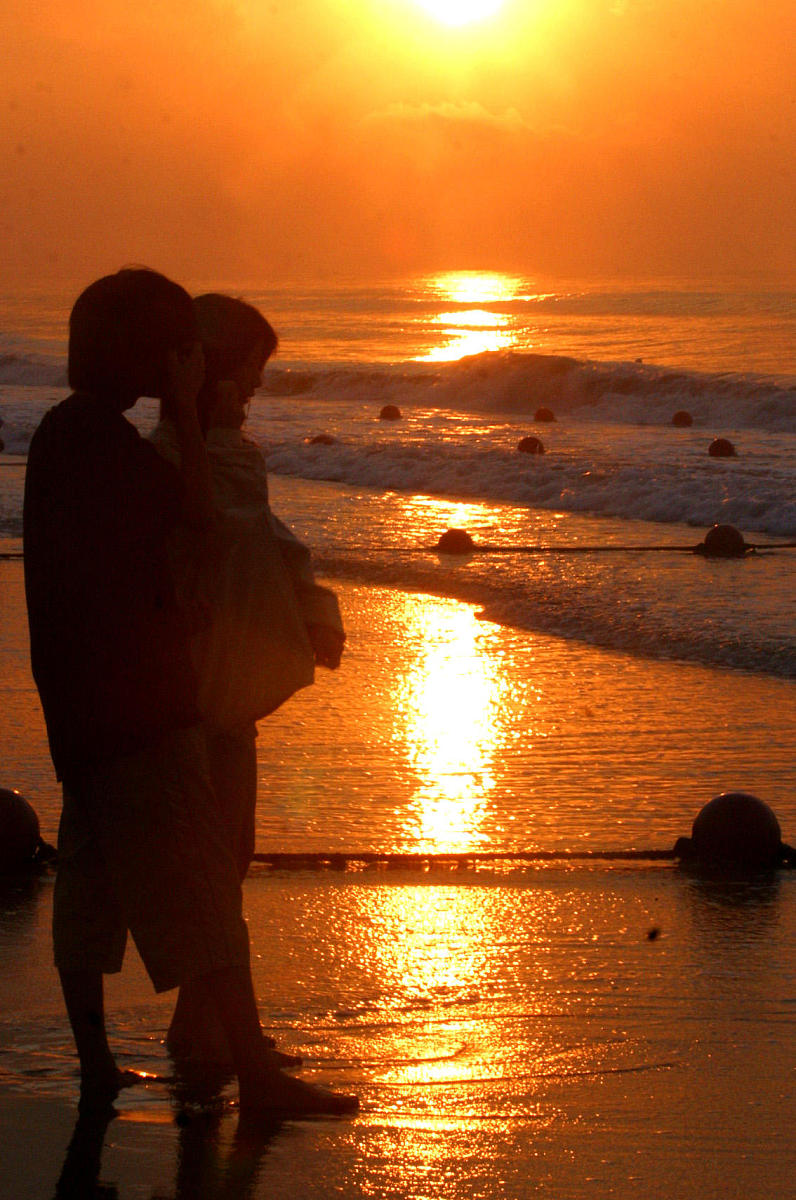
{"x": 186, "y": 372}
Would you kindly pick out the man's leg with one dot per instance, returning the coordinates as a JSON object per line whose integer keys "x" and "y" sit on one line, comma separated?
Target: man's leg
{"x": 100, "y": 1080}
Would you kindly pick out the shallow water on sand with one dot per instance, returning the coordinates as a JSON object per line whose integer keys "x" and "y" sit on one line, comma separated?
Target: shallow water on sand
{"x": 444, "y": 732}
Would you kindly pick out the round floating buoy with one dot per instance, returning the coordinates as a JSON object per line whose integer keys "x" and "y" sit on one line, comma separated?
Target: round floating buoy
{"x": 455, "y": 541}
{"x": 390, "y": 412}
{"x": 321, "y": 439}
{"x": 19, "y": 831}
{"x": 721, "y": 448}
{"x": 544, "y": 414}
{"x": 530, "y": 445}
{"x": 722, "y": 541}
{"x": 735, "y": 829}
{"x": 682, "y": 419}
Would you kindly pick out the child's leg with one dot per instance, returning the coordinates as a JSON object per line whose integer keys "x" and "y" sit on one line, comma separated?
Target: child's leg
{"x": 265, "y": 1092}
{"x": 194, "y": 1034}
{"x": 232, "y": 764}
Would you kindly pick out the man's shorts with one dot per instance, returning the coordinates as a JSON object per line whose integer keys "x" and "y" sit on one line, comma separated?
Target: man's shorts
{"x": 141, "y": 846}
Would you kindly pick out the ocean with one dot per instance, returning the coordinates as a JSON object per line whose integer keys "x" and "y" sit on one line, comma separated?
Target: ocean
{"x": 468, "y": 359}
{"x": 571, "y": 1029}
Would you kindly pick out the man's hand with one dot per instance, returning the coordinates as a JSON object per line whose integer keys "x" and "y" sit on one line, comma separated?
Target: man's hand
{"x": 327, "y": 644}
{"x": 186, "y": 373}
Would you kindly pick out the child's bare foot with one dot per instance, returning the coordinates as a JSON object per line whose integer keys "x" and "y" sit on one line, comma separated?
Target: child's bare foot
{"x": 205, "y": 1043}
{"x": 273, "y": 1095}
{"x": 197, "y": 1055}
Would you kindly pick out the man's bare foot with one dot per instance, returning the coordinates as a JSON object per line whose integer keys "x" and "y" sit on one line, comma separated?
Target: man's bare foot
{"x": 98, "y": 1092}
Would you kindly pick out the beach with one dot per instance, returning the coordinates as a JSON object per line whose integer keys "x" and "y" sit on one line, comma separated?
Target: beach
{"x": 569, "y": 1029}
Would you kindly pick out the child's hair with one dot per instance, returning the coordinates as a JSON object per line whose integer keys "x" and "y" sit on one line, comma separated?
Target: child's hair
{"x": 121, "y": 329}
{"x": 230, "y": 329}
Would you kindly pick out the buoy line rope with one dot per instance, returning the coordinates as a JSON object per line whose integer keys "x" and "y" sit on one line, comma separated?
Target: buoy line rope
{"x": 295, "y": 860}
{"x": 461, "y": 857}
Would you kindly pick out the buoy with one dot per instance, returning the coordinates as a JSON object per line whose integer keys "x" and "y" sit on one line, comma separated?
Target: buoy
{"x": 530, "y": 445}
{"x": 390, "y": 412}
{"x": 735, "y": 830}
{"x": 20, "y": 835}
{"x": 321, "y": 439}
{"x": 721, "y": 448}
{"x": 722, "y": 541}
{"x": 544, "y": 414}
{"x": 455, "y": 541}
{"x": 682, "y": 418}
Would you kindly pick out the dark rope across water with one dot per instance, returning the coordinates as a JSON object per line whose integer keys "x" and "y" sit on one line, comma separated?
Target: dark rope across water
{"x": 341, "y": 859}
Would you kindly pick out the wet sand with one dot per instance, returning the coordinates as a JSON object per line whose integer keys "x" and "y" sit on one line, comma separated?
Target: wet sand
{"x": 592, "y": 1031}
{"x": 513, "y": 1034}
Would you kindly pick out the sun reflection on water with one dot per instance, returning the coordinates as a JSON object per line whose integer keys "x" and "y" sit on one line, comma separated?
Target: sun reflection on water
{"x": 447, "y": 705}
{"x": 474, "y": 330}
{"x": 459, "y": 343}
{"x": 476, "y": 287}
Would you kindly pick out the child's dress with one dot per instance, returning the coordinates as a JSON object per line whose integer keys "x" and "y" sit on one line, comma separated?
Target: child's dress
{"x": 255, "y": 652}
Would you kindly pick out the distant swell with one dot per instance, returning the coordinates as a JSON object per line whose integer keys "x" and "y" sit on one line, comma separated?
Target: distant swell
{"x": 506, "y": 381}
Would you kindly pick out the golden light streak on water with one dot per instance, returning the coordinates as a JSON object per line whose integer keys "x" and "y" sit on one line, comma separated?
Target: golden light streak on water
{"x": 476, "y": 287}
{"x": 476, "y": 330}
{"x": 429, "y": 516}
{"x": 464, "y": 342}
{"x": 447, "y": 705}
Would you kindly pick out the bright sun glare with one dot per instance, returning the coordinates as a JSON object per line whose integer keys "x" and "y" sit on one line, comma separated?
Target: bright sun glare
{"x": 460, "y": 12}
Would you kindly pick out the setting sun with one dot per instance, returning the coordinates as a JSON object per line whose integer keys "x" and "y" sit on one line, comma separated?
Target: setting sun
{"x": 460, "y": 12}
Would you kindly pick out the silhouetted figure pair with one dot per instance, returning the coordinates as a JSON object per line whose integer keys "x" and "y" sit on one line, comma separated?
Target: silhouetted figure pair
{"x": 141, "y": 846}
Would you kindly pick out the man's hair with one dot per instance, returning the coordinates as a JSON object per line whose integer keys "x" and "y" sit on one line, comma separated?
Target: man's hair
{"x": 230, "y": 329}
{"x": 121, "y": 329}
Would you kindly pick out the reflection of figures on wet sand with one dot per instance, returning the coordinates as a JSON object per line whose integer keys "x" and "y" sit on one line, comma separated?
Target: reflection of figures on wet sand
{"x": 140, "y": 844}
{"x": 80, "y": 1172}
{"x": 205, "y": 1169}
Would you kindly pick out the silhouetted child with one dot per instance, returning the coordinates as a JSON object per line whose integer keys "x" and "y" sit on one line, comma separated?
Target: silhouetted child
{"x": 140, "y": 846}
{"x": 270, "y": 621}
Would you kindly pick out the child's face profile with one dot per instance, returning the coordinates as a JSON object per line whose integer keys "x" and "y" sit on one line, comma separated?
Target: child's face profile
{"x": 234, "y": 393}
{"x": 249, "y": 375}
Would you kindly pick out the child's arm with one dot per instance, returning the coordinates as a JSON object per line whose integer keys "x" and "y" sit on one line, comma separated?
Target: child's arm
{"x": 318, "y": 604}
{"x": 327, "y": 644}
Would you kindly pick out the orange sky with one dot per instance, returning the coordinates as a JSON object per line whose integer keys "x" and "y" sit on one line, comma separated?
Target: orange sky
{"x": 259, "y": 141}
